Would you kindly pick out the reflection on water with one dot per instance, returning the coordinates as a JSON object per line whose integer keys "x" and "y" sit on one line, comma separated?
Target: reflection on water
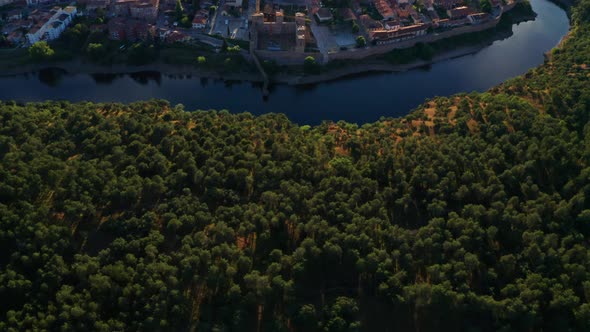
{"x": 105, "y": 78}
{"x": 51, "y": 76}
{"x": 360, "y": 98}
{"x": 145, "y": 77}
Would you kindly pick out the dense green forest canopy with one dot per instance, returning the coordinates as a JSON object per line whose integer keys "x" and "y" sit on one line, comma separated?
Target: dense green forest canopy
{"x": 472, "y": 213}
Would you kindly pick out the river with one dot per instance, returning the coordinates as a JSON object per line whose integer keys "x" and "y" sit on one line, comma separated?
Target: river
{"x": 360, "y": 99}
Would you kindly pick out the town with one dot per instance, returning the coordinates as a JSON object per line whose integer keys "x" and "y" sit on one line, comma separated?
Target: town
{"x": 284, "y": 31}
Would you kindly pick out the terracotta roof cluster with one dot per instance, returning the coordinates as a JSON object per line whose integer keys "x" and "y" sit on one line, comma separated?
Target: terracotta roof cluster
{"x": 347, "y": 14}
{"x": 201, "y": 17}
{"x": 383, "y": 8}
{"x": 448, "y": 4}
{"x": 129, "y": 29}
{"x": 403, "y": 10}
{"x": 369, "y": 23}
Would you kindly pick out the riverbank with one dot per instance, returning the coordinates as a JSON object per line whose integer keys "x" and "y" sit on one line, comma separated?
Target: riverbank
{"x": 81, "y": 67}
{"x": 294, "y": 79}
{"x": 290, "y": 77}
{"x": 372, "y": 66}
{"x": 375, "y": 67}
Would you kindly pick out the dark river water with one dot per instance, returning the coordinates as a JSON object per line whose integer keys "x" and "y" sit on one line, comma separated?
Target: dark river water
{"x": 357, "y": 99}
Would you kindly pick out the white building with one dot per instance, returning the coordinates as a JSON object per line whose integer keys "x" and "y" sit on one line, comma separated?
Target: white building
{"x": 71, "y": 11}
{"x": 52, "y": 28}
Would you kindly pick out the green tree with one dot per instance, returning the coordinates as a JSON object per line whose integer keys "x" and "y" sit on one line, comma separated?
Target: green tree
{"x": 179, "y": 10}
{"x": 361, "y": 41}
{"x": 41, "y": 51}
{"x": 234, "y": 49}
{"x": 96, "y": 51}
{"x": 355, "y": 27}
{"x": 185, "y": 22}
{"x": 310, "y": 65}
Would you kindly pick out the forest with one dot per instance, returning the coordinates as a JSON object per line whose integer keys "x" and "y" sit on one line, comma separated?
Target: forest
{"x": 472, "y": 213}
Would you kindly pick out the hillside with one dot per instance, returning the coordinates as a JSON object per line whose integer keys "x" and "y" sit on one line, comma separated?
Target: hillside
{"x": 470, "y": 214}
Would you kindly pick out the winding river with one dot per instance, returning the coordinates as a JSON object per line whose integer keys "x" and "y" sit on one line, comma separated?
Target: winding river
{"x": 358, "y": 99}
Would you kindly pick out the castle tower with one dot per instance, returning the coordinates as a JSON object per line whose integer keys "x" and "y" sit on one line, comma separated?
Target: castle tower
{"x": 257, "y": 19}
{"x": 257, "y": 23}
{"x": 300, "y": 32}
{"x": 300, "y": 43}
{"x": 300, "y": 18}
{"x": 279, "y": 22}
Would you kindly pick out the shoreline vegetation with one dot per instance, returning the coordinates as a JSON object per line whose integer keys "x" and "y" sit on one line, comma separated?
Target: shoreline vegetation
{"x": 400, "y": 60}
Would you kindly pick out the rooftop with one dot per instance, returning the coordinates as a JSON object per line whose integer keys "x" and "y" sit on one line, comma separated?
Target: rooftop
{"x": 347, "y": 14}
{"x": 200, "y": 19}
{"x": 324, "y": 13}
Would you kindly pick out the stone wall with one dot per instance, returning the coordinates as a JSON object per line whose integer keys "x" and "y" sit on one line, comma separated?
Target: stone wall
{"x": 286, "y": 57}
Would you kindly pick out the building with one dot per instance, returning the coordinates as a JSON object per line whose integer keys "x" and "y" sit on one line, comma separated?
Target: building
{"x": 478, "y": 18}
{"x": 446, "y": 23}
{"x": 233, "y": 3}
{"x": 324, "y": 15}
{"x": 347, "y": 14}
{"x": 370, "y": 24}
{"x": 459, "y": 12}
{"x": 403, "y": 11}
{"x": 176, "y": 37}
{"x": 433, "y": 14}
{"x": 356, "y": 7}
{"x": 403, "y": 33}
{"x": 448, "y": 4}
{"x": 94, "y": 5}
{"x": 71, "y": 11}
{"x": 15, "y": 37}
{"x": 392, "y": 25}
{"x": 278, "y": 35}
{"x": 201, "y": 18}
{"x": 49, "y": 26}
{"x": 199, "y": 22}
{"x": 384, "y": 9}
{"x": 122, "y": 7}
{"x": 37, "y": 2}
{"x": 146, "y": 10}
{"x": 14, "y": 15}
{"x": 130, "y": 29}
{"x": 117, "y": 29}
{"x": 55, "y": 29}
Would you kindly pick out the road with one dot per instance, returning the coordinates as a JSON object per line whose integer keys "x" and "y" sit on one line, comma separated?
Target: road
{"x": 213, "y": 19}
{"x": 324, "y": 40}
{"x": 200, "y": 36}
{"x": 221, "y": 24}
